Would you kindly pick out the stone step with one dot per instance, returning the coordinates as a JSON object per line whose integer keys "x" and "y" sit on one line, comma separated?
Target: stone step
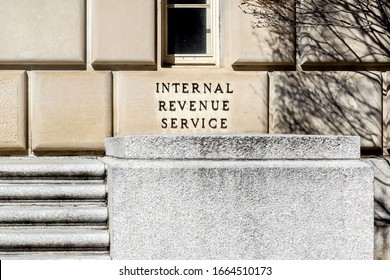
{"x": 52, "y": 215}
{"x": 42, "y": 192}
{"x": 54, "y": 239}
{"x": 53, "y": 208}
{"x": 53, "y": 255}
{"x": 67, "y": 167}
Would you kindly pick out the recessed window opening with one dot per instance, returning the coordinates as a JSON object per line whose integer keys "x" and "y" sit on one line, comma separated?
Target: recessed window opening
{"x": 190, "y": 32}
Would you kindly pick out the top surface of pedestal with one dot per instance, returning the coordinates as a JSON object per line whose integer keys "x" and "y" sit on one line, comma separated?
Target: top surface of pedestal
{"x": 233, "y": 147}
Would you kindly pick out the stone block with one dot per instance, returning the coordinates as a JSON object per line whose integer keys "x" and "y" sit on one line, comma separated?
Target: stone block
{"x": 13, "y": 215}
{"x": 53, "y": 238}
{"x": 66, "y": 168}
{"x": 343, "y": 33}
{"x": 382, "y": 243}
{"x": 123, "y": 33}
{"x": 321, "y": 103}
{"x": 233, "y": 147}
{"x": 240, "y": 209}
{"x": 13, "y": 111}
{"x": 184, "y": 101}
{"x": 42, "y": 32}
{"x": 74, "y": 191}
{"x": 381, "y": 168}
{"x": 70, "y": 111}
{"x": 260, "y": 34}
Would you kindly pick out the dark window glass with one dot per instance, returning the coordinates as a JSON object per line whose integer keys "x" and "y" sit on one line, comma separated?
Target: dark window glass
{"x": 187, "y": 1}
{"x": 187, "y": 31}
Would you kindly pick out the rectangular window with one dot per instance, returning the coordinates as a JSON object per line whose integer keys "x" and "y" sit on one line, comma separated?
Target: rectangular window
{"x": 190, "y": 32}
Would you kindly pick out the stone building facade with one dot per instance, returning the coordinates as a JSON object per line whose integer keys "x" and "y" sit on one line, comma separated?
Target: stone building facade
{"x": 75, "y": 72}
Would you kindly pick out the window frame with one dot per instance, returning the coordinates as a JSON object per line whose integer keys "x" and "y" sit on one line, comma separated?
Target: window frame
{"x": 192, "y": 59}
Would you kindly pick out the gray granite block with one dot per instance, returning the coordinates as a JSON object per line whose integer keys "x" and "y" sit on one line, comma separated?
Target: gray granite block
{"x": 229, "y": 209}
{"x": 53, "y": 238}
{"x": 51, "y": 167}
{"x": 234, "y": 147}
{"x": 69, "y": 255}
{"x": 20, "y": 214}
{"x": 76, "y": 191}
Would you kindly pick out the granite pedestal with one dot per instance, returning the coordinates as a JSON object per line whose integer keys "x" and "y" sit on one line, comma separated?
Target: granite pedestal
{"x": 239, "y": 197}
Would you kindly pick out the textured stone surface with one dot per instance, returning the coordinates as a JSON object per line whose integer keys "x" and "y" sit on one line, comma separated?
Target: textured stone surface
{"x": 346, "y": 103}
{"x": 52, "y": 191}
{"x": 57, "y": 215}
{"x": 260, "y": 42}
{"x": 51, "y": 167}
{"x": 381, "y": 167}
{"x": 240, "y": 209}
{"x": 9, "y": 110}
{"x": 234, "y": 147}
{"x": 53, "y": 238}
{"x": 382, "y": 242}
{"x": 13, "y": 118}
{"x": 53, "y": 208}
{"x": 240, "y": 102}
{"x": 70, "y": 111}
{"x": 123, "y": 32}
{"x": 339, "y": 33}
{"x": 42, "y": 32}
{"x": 97, "y": 255}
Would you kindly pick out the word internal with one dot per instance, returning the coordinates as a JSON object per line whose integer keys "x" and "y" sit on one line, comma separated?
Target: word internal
{"x": 193, "y": 88}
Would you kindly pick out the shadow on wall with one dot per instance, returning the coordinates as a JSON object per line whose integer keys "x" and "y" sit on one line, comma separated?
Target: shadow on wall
{"x": 351, "y": 33}
{"x": 273, "y": 26}
{"x": 321, "y": 103}
{"x": 331, "y": 35}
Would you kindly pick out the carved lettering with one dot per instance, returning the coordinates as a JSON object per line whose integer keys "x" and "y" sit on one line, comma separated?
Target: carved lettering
{"x": 196, "y": 123}
{"x": 194, "y": 105}
{"x": 187, "y": 112}
{"x": 185, "y": 88}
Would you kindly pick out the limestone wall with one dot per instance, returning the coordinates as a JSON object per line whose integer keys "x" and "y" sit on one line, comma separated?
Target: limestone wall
{"x": 73, "y": 72}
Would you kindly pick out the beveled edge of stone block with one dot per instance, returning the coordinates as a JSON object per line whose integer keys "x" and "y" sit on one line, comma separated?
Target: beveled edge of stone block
{"x": 228, "y": 146}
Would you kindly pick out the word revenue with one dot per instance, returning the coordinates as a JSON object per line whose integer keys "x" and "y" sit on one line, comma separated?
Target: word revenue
{"x": 192, "y": 105}
{"x": 193, "y": 88}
